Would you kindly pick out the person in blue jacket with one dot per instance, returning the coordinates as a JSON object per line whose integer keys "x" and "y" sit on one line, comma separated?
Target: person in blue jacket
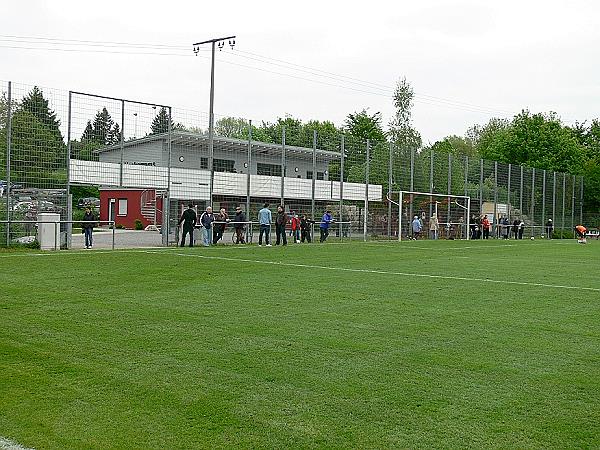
{"x": 325, "y": 222}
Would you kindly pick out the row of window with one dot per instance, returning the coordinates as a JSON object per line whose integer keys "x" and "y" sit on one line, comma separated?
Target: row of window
{"x": 273, "y": 170}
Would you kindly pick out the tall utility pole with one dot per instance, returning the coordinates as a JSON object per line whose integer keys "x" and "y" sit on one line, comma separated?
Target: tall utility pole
{"x": 218, "y": 42}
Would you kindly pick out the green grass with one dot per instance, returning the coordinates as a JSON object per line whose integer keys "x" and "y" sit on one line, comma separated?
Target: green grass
{"x": 158, "y": 350}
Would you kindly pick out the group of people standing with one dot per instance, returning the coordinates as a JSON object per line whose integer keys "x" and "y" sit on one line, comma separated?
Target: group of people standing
{"x": 214, "y": 224}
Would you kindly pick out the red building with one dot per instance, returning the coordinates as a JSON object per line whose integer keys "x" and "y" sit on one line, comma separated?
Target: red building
{"x": 125, "y": 205}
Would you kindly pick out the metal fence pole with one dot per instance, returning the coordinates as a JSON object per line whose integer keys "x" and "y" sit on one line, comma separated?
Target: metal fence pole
{"x": 431, "y": 157}
{"x": 248, "y": 170}
{"x": 581, "y": 202}
{"x": 69, "y": 226}
{"x": 521, "y": 195}
{"x": 496, "y": 199}
{"x": 282, "y": 200}
{"x": 543, "y": 197}
{"x": 466, "y": 189}
{"x": 554, "y": 198}
{"x": 480, "y": 186}
{"x": 342, "y": 150}
{"x": 314, "y": 175}
{"x": 508, "y": 195}
{"x": 532, "y": 201}
{"x": 448, "y": 219}
{"x": 366, "y": 191}
{"x": 166, "y": 207}
{"x": 412, "y": 188}
{"x": 122, "y": 143}
{"x": 562, "y": 224}
{"x": 573, "y": 204}
{"x": 390, "y": 180}
{"x": 8, "y": 152}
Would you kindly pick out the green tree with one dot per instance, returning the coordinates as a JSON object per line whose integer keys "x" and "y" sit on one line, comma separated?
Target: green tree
{"x": 402, "y": 134}
{"x": 39, "y": 107}
{"x": 35, "y": 150}
{"x": 232, "y": 127}
{"x": 538, "y": 140}
{"x": 160, "y": 123}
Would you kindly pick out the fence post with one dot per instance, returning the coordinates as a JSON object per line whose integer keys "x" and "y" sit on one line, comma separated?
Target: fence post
{"x": 573, "y": 204}
{"x": 282, "y": 200}
{"x": 543, "y": 200}
{"x": 508, "y": 195}
{"x": 366, "y": 192}
{"x": 342, "y": 150}
{"x": 554, "y": 199}
{"x": 581, "y": 202}
{"x": 390, "y": 181}
{"x": 122, "y": 143}
{"x": 412, "y": 188}
{"x": 8, "y": 152}
{"x": 166, "y": 207}
{"x": 496, "y": 199}
{"x": 448, "y": 219}
{"x": 69, "y": 198}
{"x": 431, "y": 157}
{"x": 521, "y": 195}
{"x": 480, "y": 186}
{"x": 532, "y": 201}
{"x": 248, "y": 170}
{"x": 314, "y": 176}
{"x": 562, "y": 223}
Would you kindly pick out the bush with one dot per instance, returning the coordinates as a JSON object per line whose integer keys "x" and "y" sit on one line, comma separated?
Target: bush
{"x": 120, "y": 226}
{"x": 566, "y": 234}
{"x": 138, "y": 224}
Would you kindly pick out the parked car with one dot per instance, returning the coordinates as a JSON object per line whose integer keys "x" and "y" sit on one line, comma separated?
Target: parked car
{"x": 88, "y": 201}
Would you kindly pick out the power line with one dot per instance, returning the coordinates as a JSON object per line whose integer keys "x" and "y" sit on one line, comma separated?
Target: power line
{"x": 365, "y": 86}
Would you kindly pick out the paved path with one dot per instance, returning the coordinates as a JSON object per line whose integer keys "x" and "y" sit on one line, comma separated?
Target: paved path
{"x": 123, "y": 239}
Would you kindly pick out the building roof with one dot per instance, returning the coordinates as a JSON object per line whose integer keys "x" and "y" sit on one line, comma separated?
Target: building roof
{"x": 191, "y": 139}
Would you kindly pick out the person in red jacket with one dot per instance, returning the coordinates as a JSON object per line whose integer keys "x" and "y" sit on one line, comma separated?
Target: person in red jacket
{"x": 486, "y": 225}
{"x": 296, "y": 228}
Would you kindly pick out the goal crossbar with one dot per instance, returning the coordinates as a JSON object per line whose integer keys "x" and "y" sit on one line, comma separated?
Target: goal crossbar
{"x": 401, "y": 195}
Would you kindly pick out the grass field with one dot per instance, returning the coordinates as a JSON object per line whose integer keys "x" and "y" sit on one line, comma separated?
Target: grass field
{"x": 412, "y": 345}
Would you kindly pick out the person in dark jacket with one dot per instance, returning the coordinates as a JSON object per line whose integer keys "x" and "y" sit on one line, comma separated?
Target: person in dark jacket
{"x": 88, "y": 226}
{"x": 239, "y": 225}
{"x": 188, "y": 218}
{"x": 206, "y": 220}
{"x": 515, "y": 228}
{"x": 281, "y": 219}
{"x": 305, "y": 225}
{"x": 549, "y": 229}
{"x": 222, "y": 218}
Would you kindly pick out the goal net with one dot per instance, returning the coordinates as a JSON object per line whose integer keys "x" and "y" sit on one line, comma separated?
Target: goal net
{"x": 439, "y": 216}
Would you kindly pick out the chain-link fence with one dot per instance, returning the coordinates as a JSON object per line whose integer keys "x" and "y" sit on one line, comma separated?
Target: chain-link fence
{"x": 141, "y": 164}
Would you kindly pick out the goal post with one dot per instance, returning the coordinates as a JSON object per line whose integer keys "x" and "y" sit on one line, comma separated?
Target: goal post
{"x": 452, "y": 212}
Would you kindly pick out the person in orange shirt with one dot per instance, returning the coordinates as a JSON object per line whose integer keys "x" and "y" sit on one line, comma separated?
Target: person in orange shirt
{"x": 580, "y": 230}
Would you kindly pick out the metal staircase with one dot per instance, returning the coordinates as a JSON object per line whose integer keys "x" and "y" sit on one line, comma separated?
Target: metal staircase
{"x": 149, "y": 209}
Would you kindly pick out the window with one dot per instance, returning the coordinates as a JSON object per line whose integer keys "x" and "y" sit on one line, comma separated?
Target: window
{"x": 122, "y": 207}
{"x": 320, "y": 175}
{"x": 273, "y": 170}
{"x": 223, "y": 165}
{"x": 203, "y": 162}
{"x": 309, "y": 174}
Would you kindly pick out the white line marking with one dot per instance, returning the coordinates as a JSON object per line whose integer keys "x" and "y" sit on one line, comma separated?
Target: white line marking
{"x": 385, "y": 272}
{"x": 7, "y": 444}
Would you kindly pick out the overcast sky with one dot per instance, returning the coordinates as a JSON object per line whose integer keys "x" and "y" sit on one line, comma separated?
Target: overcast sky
{"x": 467, "y": 61}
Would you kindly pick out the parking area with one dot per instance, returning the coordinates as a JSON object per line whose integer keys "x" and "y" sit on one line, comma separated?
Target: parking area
{"x": 123, "y": 239}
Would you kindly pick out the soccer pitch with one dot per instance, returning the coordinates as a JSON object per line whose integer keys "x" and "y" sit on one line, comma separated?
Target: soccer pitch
{"x": 444, "y": 344}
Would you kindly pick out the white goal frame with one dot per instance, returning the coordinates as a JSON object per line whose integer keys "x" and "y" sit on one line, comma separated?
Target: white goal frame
{"x": 401, "y": 195}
